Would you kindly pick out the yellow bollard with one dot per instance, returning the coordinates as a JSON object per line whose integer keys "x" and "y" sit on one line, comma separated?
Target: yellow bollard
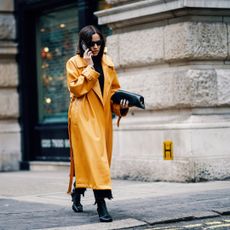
{"x": 168, "y": 150}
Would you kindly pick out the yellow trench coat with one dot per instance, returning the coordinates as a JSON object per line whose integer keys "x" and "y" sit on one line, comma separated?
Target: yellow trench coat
{"x": 90, "y": 122}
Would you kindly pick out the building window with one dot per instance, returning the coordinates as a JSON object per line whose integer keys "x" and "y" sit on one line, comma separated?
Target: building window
{"x": 57, "y": 34}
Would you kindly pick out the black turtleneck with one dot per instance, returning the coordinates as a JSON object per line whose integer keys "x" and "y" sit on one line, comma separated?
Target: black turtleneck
{"x": 98, "y": 68}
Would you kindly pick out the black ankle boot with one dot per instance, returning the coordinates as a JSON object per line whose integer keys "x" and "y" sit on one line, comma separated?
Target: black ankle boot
{"x": 103, "y": 213}
{"x": 77, "y": 206}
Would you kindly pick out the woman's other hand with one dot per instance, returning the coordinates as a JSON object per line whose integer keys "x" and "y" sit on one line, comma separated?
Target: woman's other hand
{"x": 124, "y": 104}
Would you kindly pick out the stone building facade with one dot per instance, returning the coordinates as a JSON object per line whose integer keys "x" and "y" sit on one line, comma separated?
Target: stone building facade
{"x": 176, "y": 54}
{"x": 37, "y": 37}
{"x": 10, "y": 134}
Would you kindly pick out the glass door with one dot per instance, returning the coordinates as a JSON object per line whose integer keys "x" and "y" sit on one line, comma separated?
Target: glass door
{"x": 56, "y": 43}
{"x": 57, "y": 34}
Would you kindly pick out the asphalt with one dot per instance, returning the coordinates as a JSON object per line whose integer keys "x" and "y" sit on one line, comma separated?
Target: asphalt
{"x": 38, "y": 200}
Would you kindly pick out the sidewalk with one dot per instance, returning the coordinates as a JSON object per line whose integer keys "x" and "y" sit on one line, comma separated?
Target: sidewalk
{"x": 38, "y": 200}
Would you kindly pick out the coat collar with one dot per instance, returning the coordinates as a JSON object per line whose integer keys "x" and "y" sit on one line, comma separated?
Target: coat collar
{"x": 106, "y": 61}
{"x": 81, "y": 63}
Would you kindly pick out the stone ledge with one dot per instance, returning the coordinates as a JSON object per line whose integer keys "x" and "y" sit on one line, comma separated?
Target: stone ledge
{"x": 131, "y": 13}
{"x": 120, "y": 2}
{"x": 9, "y": 126}
{"x": 8, "y": 48}
{"x": 49, "y": 166}
{"x": 205, "y": 122}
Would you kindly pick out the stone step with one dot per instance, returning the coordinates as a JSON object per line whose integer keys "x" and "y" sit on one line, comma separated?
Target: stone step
{"x": 49, "y": 166}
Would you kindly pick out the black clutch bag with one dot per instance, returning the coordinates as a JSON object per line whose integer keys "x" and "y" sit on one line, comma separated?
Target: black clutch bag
{"x": 133, "y": 98}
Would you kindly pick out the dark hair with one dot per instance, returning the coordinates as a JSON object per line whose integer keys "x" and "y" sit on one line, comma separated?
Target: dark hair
{"x": 86, "y": 34}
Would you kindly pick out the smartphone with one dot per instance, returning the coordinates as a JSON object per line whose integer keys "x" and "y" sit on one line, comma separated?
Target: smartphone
{"x": 84, "y": 46}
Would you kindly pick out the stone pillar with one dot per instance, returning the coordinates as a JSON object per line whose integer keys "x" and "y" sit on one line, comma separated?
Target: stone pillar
{"x": 177, "y": 55}
{"x": 10, "y": 149}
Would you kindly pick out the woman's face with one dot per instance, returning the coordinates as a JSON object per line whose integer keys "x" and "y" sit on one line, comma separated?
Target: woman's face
{"x": 95, "y": 45}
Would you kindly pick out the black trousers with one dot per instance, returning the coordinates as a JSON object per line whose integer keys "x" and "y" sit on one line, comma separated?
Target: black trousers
{"x": 98, "y": 194}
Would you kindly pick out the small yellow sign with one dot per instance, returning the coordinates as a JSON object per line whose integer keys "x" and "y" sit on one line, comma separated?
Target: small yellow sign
{"x": 168, "y": 150}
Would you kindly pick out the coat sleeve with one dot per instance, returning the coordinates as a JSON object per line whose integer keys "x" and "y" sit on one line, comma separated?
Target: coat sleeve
{"x": 116, "y": 108}
{"x": 80, "y": 84}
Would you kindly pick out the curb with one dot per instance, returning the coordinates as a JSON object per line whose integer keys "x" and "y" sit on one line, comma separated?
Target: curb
{"x": 118, "y": 224}
{"x": 187, "y": 217}
{"x": 222, "y": 211}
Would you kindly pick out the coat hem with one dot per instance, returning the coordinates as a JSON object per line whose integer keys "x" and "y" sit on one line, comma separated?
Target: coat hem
{"x": 94, "y": 187}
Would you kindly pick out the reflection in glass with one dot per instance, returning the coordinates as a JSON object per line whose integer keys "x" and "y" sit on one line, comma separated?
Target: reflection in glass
{"x": 57, "y": 35}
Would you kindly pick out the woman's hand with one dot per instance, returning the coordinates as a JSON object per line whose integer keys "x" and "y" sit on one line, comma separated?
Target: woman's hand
{"x": 124, "y": 104}
{"x": 88, "y": 57}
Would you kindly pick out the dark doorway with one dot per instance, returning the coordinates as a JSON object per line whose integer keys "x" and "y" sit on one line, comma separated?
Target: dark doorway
{"x": 46, "y": 35}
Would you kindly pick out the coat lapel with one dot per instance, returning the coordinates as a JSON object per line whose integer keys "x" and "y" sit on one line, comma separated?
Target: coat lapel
{"x": 97, "y": 90}
{"x": 81, "y": 63}
{"x": 106, "y": 65}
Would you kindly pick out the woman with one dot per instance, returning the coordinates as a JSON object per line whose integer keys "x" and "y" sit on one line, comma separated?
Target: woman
{"x": 92, "y": 80}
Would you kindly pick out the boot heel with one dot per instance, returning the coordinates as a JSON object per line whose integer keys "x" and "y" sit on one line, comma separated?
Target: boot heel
{"x": 76, "y": 206}
{"x": 103, "y": 213}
